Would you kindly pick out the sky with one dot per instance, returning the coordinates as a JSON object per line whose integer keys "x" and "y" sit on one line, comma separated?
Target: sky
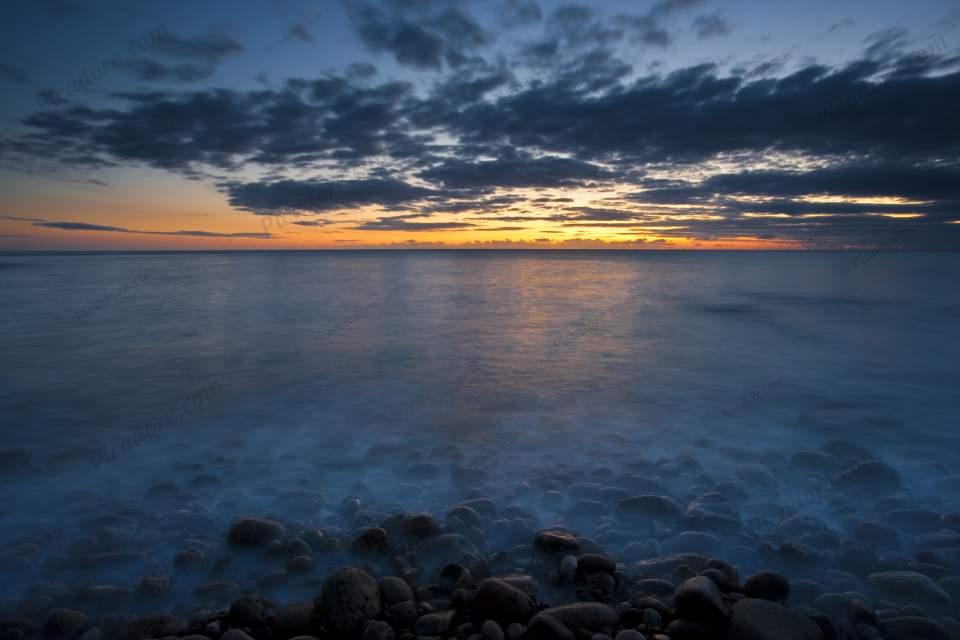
{"x": 649, "y": 124}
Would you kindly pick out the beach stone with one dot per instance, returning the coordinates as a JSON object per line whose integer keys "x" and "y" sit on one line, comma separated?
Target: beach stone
{"x": 818, "y": 461}
{"x": 556, "y": 542}
{"x": 767, "y": 585}
{"x": 255, "y": 532}
{"x": 912, "y": 520}
{"x": 871, "y": 476}
{"x": 545, "y": 627}
{"x": 755, "y": 619}
{"x": 630, "y": 634}
{"x": 908, "y": 587}
{"x": 699, "y": 599}
{"x": 490, "y": 630}
{"x": 585, "y": 615}
{"x": 235, "y": 634}
{"x": 877, "y": 534}
{"x": 372, "y": 541}
{"x": 64, "y": 623}
{"x": 247, "y": 611}
{"x": 394, "y": 590}
{"x": 595, "y": 563}
{"x": 412, "y": 527}
{"x": 712, "y": 512}
{"x": 466, "y": 515}
{"x": 350, "y": 597}
{"x": 448, "y": 547}
{"x": 914, "y": 628}
{"x": 403, "y": 614}
{"x": 644, "y": 510}
{"x": 693, "y": 542}
{"x": 944, "y": 539}
{"x": 433, "y": 624}
{"x": 152, "y": 626}
{"x": 377, "y": 630}
{"x": 498, "y": 600}
{"x": 757, "y": 475}
{"x": 483, "y": 506}
{"x": 294, "y": 619}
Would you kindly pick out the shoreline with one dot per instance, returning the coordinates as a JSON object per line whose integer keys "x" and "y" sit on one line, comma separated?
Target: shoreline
{"x": 668, "y": 552}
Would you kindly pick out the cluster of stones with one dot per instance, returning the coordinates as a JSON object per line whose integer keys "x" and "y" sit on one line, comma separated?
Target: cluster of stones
{"x": 672, "y": 555}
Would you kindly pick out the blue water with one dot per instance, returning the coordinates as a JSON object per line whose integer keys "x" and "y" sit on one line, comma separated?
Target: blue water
{"x": 276, "y": 370}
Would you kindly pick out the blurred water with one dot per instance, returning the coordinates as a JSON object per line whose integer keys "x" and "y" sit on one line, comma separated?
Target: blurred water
{"x": 516, "y": 356}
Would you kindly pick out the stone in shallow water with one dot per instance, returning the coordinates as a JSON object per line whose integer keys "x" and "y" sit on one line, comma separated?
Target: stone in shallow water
{"x": 871, "y": 476}
{"x": 699, "y": 599}
{"x": 350, "y": 597}
{"x": 644, "y": 510}
{"x": 498, "y": 600}
{"x": 394, "y": 590}
{"x": 914, "y": 628}
{"x": 559, "y": 542}
{"x": 448, "y": 547}
{"x": 754, "y": 619}
{"x": 255, "y": 532}
{"x": 908, "y": 587}
{"x": 767, "y": 585}
{"x": 585, "y": 615}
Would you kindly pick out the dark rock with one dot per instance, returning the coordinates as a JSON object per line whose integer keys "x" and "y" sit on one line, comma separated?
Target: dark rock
{"x": 913, "y": 520}
{"x": 433, "y": 624}
{"x": 64, "y": 623}
{"x": 877, "y": 534}
{"x": 556, "y": 542}
{"x": 594, "y": 563}
{"x": 350, "y": 597}
{"x": 466, "y": 515}
{"x": 247, "y": 611}
{"x": 403, "y": 614}
{"x": 699, "y": 599}
{"x": 644, "y": 510}
{"x": 585, "y": 615}
{"x": 754, "y": 619}
{"x": 756, "y": 475}
{"x": 498, "y": 600}
{"x": 153, "y": 626}
{"x": 377, "y": 630}
{"x": 908, "y": 587}
{"x": 545, "y": 627}
{"x": 372, "y": 541}
{"x": 255, "y": 532}
{"x": 291, "y": 620}
{"x": 871, "y": 476}
{"x": 914, "y": 628}
{"x": 394, "y": 590}
{"x": 448, "y": 547}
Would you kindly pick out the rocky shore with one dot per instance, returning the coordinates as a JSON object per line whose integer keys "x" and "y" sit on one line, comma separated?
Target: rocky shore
{"x": 822, "y": 544}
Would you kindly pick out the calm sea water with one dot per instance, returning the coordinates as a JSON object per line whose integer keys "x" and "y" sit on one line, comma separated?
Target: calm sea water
{"x": 286, "y": 362}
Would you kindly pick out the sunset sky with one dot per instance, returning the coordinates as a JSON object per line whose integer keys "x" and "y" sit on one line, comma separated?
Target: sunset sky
{"x": 287, "y": 124}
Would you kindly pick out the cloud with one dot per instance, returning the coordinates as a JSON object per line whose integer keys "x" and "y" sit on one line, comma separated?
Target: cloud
{"x": 83, "y": 226}
{"x": 418, "y": 34}
{"x": 292, "y": 195}
{"x": 400, "y": 223}
{"x": 521, "y": 12}
{"x": 518, "y": 171}
{"x": 711, "y": 26}
{"x": 210, "y": 47}
{"x": 197, "y": 57}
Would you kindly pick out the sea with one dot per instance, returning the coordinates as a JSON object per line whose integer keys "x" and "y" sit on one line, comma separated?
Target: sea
{"x": 127, "y": 375}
